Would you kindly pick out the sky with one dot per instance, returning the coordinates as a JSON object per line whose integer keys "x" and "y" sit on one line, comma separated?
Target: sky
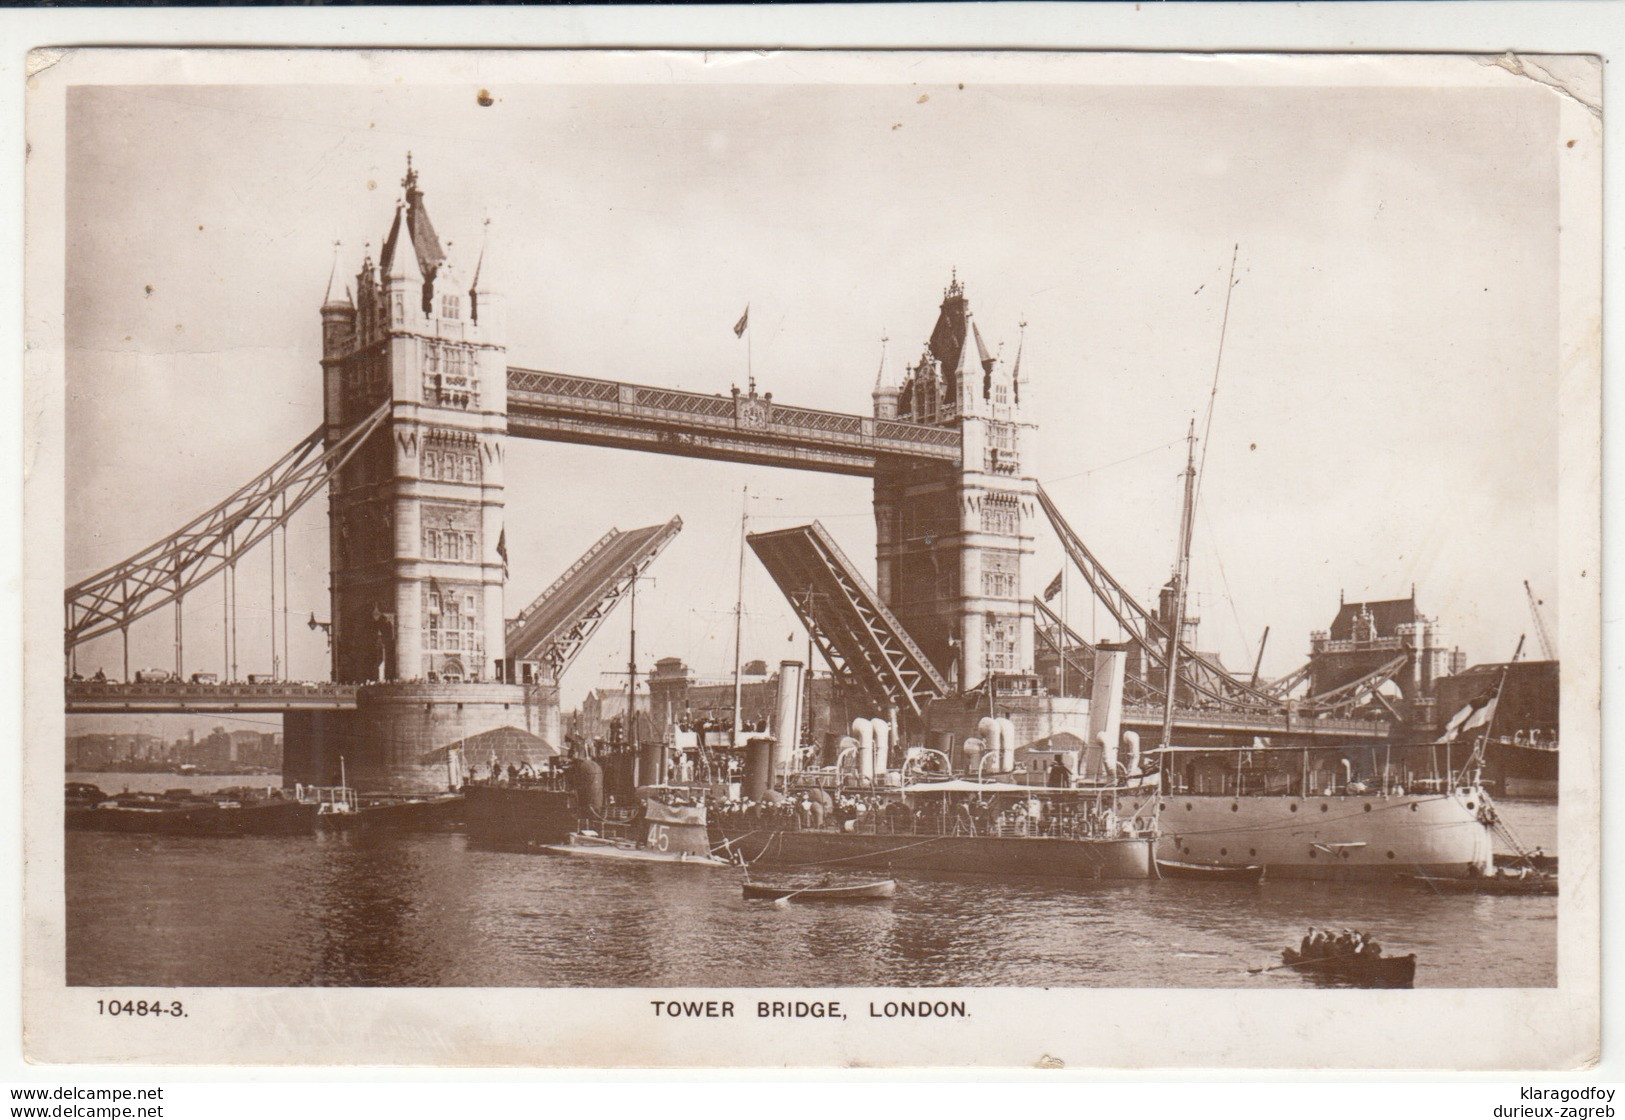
{"x": 1386, "y": 405}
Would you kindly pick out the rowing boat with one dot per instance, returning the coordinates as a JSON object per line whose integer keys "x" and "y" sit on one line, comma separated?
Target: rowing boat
{"x": 855, "y": 892}
{"x": 1358, "y": 969}
{"x": 1213, "y": 872}
{"x": 1502, "y": 882}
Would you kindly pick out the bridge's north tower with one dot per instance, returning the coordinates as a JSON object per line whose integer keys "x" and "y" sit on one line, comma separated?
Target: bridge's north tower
{"x": 953, "y": 542}
{"x": 416, "y": 518}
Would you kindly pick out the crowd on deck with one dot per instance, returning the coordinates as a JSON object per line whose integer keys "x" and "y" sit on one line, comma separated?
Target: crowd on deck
{"x": 873, "y": 813}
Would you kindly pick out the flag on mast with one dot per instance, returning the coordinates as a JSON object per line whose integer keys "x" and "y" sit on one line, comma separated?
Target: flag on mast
{"x": 1054, "y": 587}
{"x": 744, "y": 321}
{"x": 1476, "y": 713}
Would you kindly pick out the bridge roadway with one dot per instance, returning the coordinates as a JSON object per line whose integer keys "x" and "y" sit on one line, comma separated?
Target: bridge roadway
{"x": 741, "y": 428}
{"x": 106, "y": 698}
{"x": 1282, "y": 728}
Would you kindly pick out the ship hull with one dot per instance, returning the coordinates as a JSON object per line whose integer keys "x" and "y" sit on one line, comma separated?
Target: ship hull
{"x": 280, "y": 819}
{"x": 1522, "y": 771}
{"x": 1082, "y": 860}
{"x": 518, "y": 817}
{"x": 1334, "y": 838}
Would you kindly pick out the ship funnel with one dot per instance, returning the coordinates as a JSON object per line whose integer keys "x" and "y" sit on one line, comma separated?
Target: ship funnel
{"x": 1007, "y": 745}
{"x": 1108, "y": 754}
{"x": 788, "y": 724}
{"x": 1106, "y": 700}
{"x": 1131, "y": 741}
{"x": 864, "y": 732}
{"x": 988, "y": 728}
{"x": 882, "y": 731}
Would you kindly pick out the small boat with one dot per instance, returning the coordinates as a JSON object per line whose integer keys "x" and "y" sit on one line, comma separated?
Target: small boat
{"x": 823, "y": 892}
{"x": 602, "y": 847}
{"x": 182, "y": 812}
{"x": 1213, "y": 872}
{"x": 1504, "y": 881}
{"x": 1357, "y": 969}
{"x": 665, "y": 832}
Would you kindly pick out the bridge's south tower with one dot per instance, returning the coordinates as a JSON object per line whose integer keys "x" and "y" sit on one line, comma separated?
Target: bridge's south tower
{"x": 952, "y": 543}
{"x": 416, "y": 516}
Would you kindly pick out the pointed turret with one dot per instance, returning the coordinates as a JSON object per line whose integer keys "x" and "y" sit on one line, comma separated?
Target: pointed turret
{"x": 484, "y": 300}
{"x": 886, "y": 390}
{"x": 1015, "y": 370}
{"x": 338, "y": 316}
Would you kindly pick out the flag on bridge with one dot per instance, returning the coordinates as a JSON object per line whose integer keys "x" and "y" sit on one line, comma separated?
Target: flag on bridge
{"x": 502, "y": 550}
{"x": 744, "y": 321}
{"x": 1054, "y": 587}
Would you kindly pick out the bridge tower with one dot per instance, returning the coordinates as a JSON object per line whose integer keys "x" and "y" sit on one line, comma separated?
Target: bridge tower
{"x": 416, "y": 519}
{"x": 953, "y": 542}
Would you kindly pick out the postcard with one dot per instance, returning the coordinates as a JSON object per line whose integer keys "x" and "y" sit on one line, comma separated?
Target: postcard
{"x": 813, "y": 559}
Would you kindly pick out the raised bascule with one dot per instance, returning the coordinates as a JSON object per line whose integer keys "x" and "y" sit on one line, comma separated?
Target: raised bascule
{"x": 419, "y": 404}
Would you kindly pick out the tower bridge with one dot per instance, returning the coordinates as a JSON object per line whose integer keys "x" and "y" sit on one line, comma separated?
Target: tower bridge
{"x": 419, "y": 402}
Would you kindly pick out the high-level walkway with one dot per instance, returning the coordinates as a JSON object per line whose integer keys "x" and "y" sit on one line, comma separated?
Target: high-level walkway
{"x": 741, "y": 428}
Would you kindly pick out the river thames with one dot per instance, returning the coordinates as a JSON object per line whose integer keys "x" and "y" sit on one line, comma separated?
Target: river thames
{"x": 388, "y": 909}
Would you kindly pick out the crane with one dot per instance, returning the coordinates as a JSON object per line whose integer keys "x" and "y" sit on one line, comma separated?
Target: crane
{"x": 1541, "y": 632}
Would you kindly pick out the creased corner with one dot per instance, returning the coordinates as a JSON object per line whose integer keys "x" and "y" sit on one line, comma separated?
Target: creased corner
{"x": 41, "y": 59}
{"x": 1579, "y": 88}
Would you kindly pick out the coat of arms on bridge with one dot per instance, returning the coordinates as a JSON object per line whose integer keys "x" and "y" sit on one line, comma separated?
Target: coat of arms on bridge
{"x": 750, "y": 410}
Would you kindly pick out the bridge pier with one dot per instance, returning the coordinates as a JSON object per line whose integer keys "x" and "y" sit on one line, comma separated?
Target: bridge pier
{"x": 406, "y": 737}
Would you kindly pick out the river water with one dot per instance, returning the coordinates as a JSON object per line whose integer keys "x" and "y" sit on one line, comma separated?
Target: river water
{"x": 428, "y": 910}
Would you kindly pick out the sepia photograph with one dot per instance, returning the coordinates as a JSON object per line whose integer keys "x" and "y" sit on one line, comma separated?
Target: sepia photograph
{"x": 902, "y": 542}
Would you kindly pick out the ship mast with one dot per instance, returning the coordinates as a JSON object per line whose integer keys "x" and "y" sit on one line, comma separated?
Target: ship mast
{"x": 1188, "y": 518}
{"x": 1181, "y": 574}
{"x": 739, "y": 614}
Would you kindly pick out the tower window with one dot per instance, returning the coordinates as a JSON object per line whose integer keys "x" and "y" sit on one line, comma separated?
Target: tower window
{"x": 1001, "y": 513}
{"x": 999, "y": 642}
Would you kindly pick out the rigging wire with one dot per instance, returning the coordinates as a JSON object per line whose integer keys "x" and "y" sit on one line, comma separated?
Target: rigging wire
{"x": 1218, "y": 360}
{"x": 1218, "y": 561}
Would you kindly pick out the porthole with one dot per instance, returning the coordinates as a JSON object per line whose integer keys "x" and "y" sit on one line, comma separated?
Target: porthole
{"x": 1224, "y": 851}
{"x": 1413, "y": 806}
{"x": 1235, "y": 808}
{"x": 1313, "y": 853}
{"x": 1294, "y": 808}
{"x": 1469, "y": 806}
{"x": 1324, "y": 807}
{"x": 1368, "y": 808}
{"x": 1187, "y": 851}
{"x": 1252, "y": 851}
{"x": 1390, "y": 855}
{"x": 1343, "y": 853}
{"x": 1162, "y": 806}
{"x": 1189, "y": 807}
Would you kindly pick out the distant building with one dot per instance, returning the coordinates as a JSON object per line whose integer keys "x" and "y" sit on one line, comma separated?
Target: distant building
{"x": 1529, "y": 698}
{"x": 1366, "y": 636}
{"x": 679, "y": 697}
{"x": 602, "y": 714}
